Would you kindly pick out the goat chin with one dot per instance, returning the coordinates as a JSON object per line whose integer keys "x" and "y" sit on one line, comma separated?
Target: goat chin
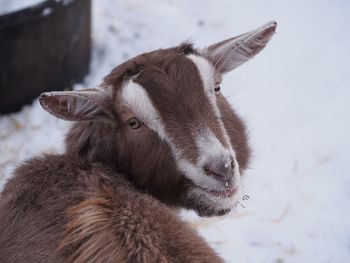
{"x": 209, "y": 205}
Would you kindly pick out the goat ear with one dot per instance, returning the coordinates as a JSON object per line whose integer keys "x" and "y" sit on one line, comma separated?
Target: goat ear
{"x": 233, "y": 52}
{"x": 82, "y": 105}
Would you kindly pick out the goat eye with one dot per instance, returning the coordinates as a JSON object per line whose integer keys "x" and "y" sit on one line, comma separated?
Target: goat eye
{"x": 217, "y": 89}
{"x": 134, "y": 123}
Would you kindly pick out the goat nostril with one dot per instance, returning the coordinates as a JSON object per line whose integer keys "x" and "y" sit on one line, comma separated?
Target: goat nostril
{"x": 211, "y": 172}
{"x": 219, "y": 169}
{"x": 232, "y": 164}
{"x": 219, "y": 173}
{"x": 207, "y": 170}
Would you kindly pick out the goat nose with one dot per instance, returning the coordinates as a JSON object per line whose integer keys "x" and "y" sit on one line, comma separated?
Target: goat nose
{"x": 219, "y": 169}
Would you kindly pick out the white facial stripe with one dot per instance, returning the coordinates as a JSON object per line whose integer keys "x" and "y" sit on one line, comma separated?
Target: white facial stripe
{"x": 210, "y": 146}
{"x": 136, "y": 98}
{"x": 195, "y": 174}
{"x": 206, "y": 71}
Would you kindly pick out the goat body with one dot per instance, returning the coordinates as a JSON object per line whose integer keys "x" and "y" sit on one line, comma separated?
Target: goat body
{"x": 59, "y": 209}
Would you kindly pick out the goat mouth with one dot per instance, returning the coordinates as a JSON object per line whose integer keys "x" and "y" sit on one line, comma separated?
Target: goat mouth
{"x": 228, "y": 192}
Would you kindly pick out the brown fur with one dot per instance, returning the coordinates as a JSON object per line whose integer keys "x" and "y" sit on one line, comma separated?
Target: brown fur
{"x": 68, "y": 211}
{"x": 109, "y": 197}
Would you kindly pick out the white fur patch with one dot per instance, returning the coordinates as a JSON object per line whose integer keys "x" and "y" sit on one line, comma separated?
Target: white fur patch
{"x": 136, "y": 98}
{"x": 195, "y": 174}
{"x": 206, "y": 71}
{"x": 207, "y": 143}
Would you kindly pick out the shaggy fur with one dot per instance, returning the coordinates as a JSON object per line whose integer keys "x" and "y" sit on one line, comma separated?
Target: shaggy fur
{"x": 111, "y": 196}
{"x": 58, "y": 208}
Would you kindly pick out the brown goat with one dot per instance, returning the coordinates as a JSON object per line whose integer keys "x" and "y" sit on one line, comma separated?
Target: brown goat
{"x": 157, "y": 134}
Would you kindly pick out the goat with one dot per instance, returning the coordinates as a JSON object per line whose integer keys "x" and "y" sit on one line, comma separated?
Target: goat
{"x": 155, "y": 136}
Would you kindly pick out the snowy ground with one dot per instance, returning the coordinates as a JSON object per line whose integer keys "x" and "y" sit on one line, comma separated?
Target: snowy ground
{"x": 295, "y": 97}
{"x": 9, "y": 6}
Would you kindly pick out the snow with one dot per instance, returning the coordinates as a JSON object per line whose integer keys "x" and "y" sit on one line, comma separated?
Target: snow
{"x": 295, "y": 97}
{"x": 46, "y": 11}
{"x": 9, "y": 6}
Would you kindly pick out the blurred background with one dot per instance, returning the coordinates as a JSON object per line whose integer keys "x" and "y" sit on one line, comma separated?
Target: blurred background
{"x": 294, "y": 96}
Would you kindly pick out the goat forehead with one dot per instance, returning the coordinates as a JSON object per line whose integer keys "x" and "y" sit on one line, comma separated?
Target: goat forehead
{"x": 206, "y": 72}
{"x": 176, "y": 89}
{"x": 164, "y": 104}
{"x": 179, "y": 104}
{"x": 179, "y": 93}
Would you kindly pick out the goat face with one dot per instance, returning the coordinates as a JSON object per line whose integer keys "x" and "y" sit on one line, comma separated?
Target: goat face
{"x": 175, "y": 135}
